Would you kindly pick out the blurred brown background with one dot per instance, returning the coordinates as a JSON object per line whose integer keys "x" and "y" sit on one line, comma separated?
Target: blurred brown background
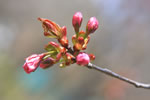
{"x": 121, "y": 44}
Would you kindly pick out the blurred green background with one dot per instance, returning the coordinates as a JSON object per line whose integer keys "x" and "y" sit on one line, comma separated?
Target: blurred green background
{"x": 122, "y": 44}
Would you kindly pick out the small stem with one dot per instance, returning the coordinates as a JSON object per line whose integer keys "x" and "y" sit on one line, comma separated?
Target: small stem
{"x": 115, "y": 75}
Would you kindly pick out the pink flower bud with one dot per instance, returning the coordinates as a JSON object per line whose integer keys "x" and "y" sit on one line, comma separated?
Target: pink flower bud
{"x": 77, "y": 20}
{"x": 32, "y": 62}
{"x": 82, "y": 59}
{"x": 92, "y": 25}
{"x": 54, "y": 44}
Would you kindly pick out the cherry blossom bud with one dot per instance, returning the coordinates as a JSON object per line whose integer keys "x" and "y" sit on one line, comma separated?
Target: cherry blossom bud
{"x": 32, "y": 62}
{"x": 58, "y": 56}
{"x": 63, "y": 41}
{"x": 92, "y": 25}
{"x": 82, "y": 59}
{"x": 54, "y": 44}
{"x": 76, "y": 21}
{"x": 77, "y": 47}
{"x": 48, "y": 62}
{"x": 92, "y": 57}
{"x": 64, "y": 31}
{"x": 81, "y": 40}
{"x": 62, "y": 50}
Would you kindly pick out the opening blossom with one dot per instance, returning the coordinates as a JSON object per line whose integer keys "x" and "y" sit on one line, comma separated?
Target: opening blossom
{"x": 32, "y": 62}
{"x": 62, "y": 53}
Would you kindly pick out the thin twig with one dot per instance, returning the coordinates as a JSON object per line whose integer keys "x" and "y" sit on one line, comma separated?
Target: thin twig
{"x": 113, "y": 74}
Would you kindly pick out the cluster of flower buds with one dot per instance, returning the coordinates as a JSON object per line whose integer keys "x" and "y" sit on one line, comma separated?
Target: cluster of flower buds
{"x": 63, "y": 53}
{"x": 81, "y": 38}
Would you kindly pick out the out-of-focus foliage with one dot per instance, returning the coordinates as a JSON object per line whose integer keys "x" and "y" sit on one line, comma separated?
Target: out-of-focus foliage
{"x": 121, "y": 42}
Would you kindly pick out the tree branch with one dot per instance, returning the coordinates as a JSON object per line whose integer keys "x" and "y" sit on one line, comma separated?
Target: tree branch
{"x": 115, "y": 75}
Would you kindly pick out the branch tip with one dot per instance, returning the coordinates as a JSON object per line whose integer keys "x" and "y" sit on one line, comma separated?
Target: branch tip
{"x": 115, "y": 75}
